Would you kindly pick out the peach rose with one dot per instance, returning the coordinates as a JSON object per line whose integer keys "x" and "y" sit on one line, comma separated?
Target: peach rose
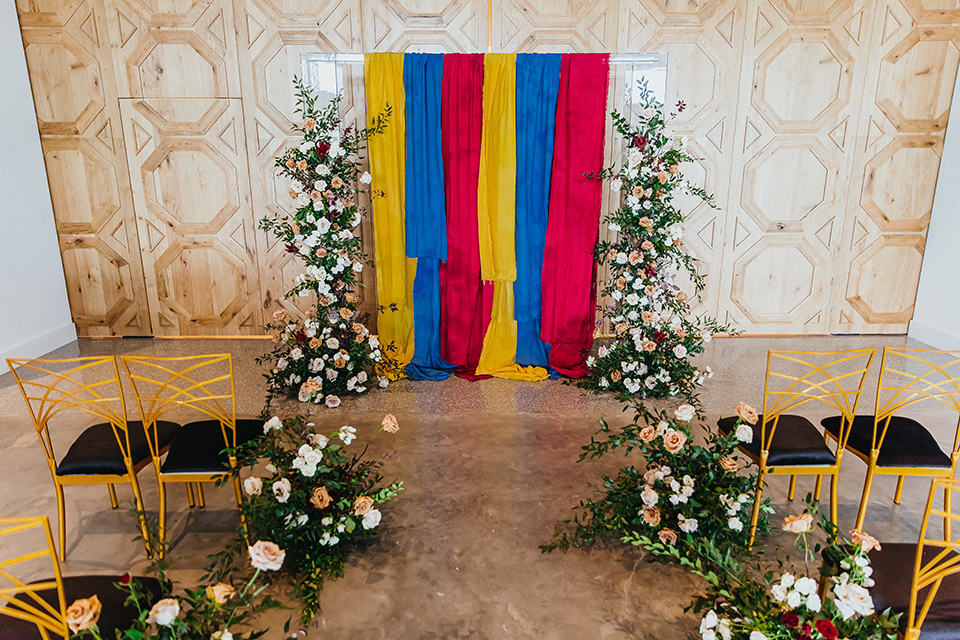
{"x": 637, "y": 192}
{"x": 645, "y": 222}
{"x": 164, "y": 612}
{"x": 621, "y": 328}
{"x": 315, "y": 195}
{"x": 647, "y": 434}
{"x": 649, "y": 345}
{"x": 635, "y": 257}
{"x": 312, "y": 312}
{"x": 345, "y": 313}
{"x": 663, "y": 176}
{"x": 295, "y": 228}
{"x": 646, "y": 245}
{"x": 651, "y": 515}
{"x": 681, "y": 296}
{"x": 280, "y": 315}
{"x": 337, "y": 182}
{"x": 309, "y": 124}
{"x": 302, "y": 165}
{"x": 621, "y": 282}
{"x": 681, "y": 333}
{"x": 646, "y": 316}
{"x": 615, "y": 376}
{"x": 674, "y": 169}
{"x": 390, "y": 424}
{"x": 266, "y": 555}
{"x": 339, "y": 361}
{"x": 220, "y": 593}
{"x": 321, "y": 498}
{"x": 293, "y": 194}
{"x": 321, "y": 253}
{"x": 352, "y": 297}
{"x": 798, "y": 524}
{"x": 83, "y": 614}
{"x": 673, "y": 440}
{"x": 729, "y": 464}
{"x": 324, "y": 301}
{"x": 747, "y": 413}
{"x": 291, "y": 163}
{"x": 867, "y": 542}
{"x": 362, "y": 505}
{"x": 650, "y": 289}
{"x": 315, "y": 343}
{"x": 667, "y": 536}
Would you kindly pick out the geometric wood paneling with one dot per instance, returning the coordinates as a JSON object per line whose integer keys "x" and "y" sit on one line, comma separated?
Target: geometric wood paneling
{"x": 189, "y": 164}
{"x": 818, "y": 125}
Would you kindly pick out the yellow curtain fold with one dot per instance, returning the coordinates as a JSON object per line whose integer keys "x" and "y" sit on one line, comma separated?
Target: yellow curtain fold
{"x": 496, "y": 201}
{"x": 387, "y": 151}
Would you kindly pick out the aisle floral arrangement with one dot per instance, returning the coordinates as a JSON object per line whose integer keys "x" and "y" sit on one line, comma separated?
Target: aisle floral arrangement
{"x": 782, "y": 605}
{"x": 655, "y": 336}
{"x": 330, "y": 353}
{"x": 686, "y": 493}
{"x": 318, "y": 501}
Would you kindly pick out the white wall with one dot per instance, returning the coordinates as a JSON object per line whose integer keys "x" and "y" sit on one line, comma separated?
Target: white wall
{"x": 34, "y": 312}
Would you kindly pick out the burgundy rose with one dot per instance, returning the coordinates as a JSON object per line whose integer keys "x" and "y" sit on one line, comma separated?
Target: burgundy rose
{"x": 640, "y": 142}
{"x": 806, "y": 629}
{"x": 659, "y": 336}
{"x": 301, "y": 337}
{"x": 790, "y": 619}
{"x": 292, "y": 248}
{"x": 651, "y": 270}
{"x": 322, "y": 149}
{"x": 125, "y": 579}
{"x": 827, "y": 630}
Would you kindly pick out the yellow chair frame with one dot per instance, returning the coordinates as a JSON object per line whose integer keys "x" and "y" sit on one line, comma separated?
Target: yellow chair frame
{"x": 33, "y": 608}
{"x": 98, "y": 398}
{"x": 929, "y": 575}
{"x": 174, "y": 388}
{"x": 946, "y": 391}
{"x": 798, "y": 390}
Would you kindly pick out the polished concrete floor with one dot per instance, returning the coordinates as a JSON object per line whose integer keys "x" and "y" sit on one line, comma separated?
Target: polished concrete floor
{"x": 490, "y": 468}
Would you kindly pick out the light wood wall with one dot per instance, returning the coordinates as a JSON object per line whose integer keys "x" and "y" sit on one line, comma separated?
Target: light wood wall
{"x": 819, "y": 124}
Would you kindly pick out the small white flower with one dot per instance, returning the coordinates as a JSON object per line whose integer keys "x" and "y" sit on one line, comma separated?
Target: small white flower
{"x": 383, "y": 383}
{"x": 805, "y": 585}
{"x": 273, "y": 424}
{"x": 616, "y": 185}
{"x": 735, "y": 524}
{"x": 688, "y": 525}
{"x": 709, "y": 621}
{"x": 366, "y": 178}
{"x": 756, "y": 635}
{"x": 327, "y": 521}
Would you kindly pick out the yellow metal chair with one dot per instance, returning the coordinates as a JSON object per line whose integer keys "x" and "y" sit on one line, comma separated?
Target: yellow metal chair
{"x": 38, "y": 609}
{"x": 199, "y": 384}
{"x": 893, "y": 444}
{"x": 922, "y": 579}
{"x": 789, "y": 444}
{"x": 108, "y": 452}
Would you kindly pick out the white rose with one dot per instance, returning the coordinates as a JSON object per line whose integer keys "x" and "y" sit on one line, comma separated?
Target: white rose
{"x": 756, "y": 635}
{"x": 805, "y": 585}
{"x": 813, "y": 602}
{"x": 794, "y": 599}
{"x": 735, "y": 524}
{"x": 333, "y": 343}
{"x": 371, "y": 519}
{"x": 685, "y": 412}
{"x": 723, "y": 628}
{"x": 253, "y": 485}
{"x": 851, "y": 599}
{"x": 779, "y": 592}
{"x": 164, "y": 612}
{"x": 680, "y": 351}
{"x": 366, "y": 178}
{"x": 383, "y": 383}
{"x": 745, "y": 433}
{"x": 616, "y": 185}
{"x": 273, "y": 424}
{"x": 222, "y": 635}
{"x": 281, "y": 489}
{"x": 649, "y": 497}
{"x": 689, "y": 525}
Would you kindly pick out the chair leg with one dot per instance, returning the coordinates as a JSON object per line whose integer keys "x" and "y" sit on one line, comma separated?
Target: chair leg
{"x": 189, "y": 486}
{"x": 833, "y": 495}
{"x": 162, "y": 526}
{"x": 243, "y": 520}
{"x": 200, "y": 499}
{"x": 113, "y": 496}
{"x": 817, "y": 487}
{"x": 864, "y": 499}
{"x": 756, "y": 513}
{"x": 947, "y": 510}
{"x": 899, "y": 492}
{"x": 793, "y": 486}
{"x": 141, "y": 513}
{"x": 62, "y": 523}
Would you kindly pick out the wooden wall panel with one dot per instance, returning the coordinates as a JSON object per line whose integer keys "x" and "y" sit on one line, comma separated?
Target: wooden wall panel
{"x": 68, "y": 60}
{"x": 189, "y": 163}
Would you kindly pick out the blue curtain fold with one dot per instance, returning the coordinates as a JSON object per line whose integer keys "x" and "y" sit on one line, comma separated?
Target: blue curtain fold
{"x": 426, "y": 221}
{"x": 538, "y": 83}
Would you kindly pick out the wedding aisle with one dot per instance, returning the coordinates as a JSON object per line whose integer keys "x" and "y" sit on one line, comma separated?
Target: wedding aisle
{"x": 489, "y": 469}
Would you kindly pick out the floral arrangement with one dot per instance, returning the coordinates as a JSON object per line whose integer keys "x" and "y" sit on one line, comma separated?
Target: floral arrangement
{"x": 791, "y": 606}
{"x": 318, "y": 501}
{"x": 331, "y": 352}
{"x": 214, "y": 612}
{"x": 655, "y": 336}
{"x": 686, "y": 493}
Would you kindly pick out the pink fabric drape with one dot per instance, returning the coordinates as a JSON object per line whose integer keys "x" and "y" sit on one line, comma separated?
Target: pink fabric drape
{"x": 464, "y": 316}
{"x": 569, "y": 272}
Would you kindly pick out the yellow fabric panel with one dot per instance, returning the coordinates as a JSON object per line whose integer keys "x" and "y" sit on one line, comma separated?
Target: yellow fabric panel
{"x": 497, "y": 215}
{"x": 395, "y": 272}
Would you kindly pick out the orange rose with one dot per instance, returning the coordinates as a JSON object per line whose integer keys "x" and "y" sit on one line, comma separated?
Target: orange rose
{"x": 729, "y": 464}
{"x": 663, "y": 176}
{"x": 673, "y": 440}
{"x": 615, "y": 376}
{"x": 621, "y": 282}
{"x": 345, "y": 313}
{"x": 681, "y": 296}
{"x": 302, "y": 165}
{"x": 647, "y": 434}
{"x": 336, "y": 182}
{"x": 339, "y": 361}
{"x": 867, "y": 542}
{"x": 649, "y": 345}
{"x": 320, "y": 498}
{"x": 646, "y": 316}
{"x": 798, "y": 524}
{"x": 359, "y": 329}
{"x": 280, "y": 315}
{"x": 681, "y": 333}
{"x": 635, "y": 257}
{"x": 621, "y": 328}
{"x": 649, "y": 289}
{"x": 651, "y": 515}
{"x": 324, "y": 301}
{"x": 362, "y": 505}
{"x": 747, "y": 413}
{"x": 83, "y": 614}
{"x": 352, "y": 297}
{"x": 667, "y": 536}
{"x": 315, "y": 342}
{"x": 309, "y": 124}
{"x": 674, "y": 169}
{"x": 293, "y": 194}
{"x": 315, "y": 195}
{"x": 321, "y": 252}
{"x": 295, "y": 228}
{"x": 291, "y": 163}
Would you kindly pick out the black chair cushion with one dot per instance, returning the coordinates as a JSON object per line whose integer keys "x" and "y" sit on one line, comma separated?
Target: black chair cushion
{"x": 198, "y": 445}
{"x": 96, "y": 451}
{"x": 892, "y": 572}
{"x": 907, "y": 443}
{"x": 114, "y": 615}
{"x": 796, "y": 442}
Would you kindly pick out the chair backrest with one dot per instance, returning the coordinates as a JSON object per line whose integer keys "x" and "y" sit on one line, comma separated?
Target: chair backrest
{"x": 33, "y": 541}
{"x": 91, "y": 385}
{"x": 913, "y": 376}
{"x": 795, "y": 378}
{"x": 942, "y": 554}
{"x": 202, "y": 384}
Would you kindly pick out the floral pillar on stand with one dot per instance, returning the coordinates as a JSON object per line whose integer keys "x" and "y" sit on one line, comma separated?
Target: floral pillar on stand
{"x": 331, "y": 353}
{"x": 655, "y": 334}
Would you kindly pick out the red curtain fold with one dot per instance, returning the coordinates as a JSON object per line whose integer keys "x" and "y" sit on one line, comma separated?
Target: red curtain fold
{"x": 463, "y": 317}
{"x": 569, "y": 272}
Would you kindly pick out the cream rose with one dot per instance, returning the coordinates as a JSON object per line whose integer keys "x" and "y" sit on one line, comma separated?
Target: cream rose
{"x": 744, "y": 433}
{"x": 667, "y": 536}
{"x": 851, "y": 599}
{"x": 867, "y": 542}
{"x": 798, "y": 524}
{"x": 651, "y": 515}
{"x": 281, "y": 490}
{"x": 266, "y": 555}
{"x": 685, "y": 412}
{"x": 747, "y": 413}
{"x": 390, "y": 424}
{"x": 164, "y": 612}
{"x": 253, "y": 486}
{"x": 83, "y": 614}
{"x": 220, "y": 593}
{"x": 673, "y": 440}
{"x": 648, "y": 433}
{"x": 362, "y": 505}
{"x": 371, "y": 519}
{"x": 729, "y": 464}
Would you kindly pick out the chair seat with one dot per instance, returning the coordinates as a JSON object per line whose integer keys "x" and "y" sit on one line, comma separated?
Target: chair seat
{"x": 197, "y": 446}
{"x": 907, "y": 443}
{"x": 892, "y": 571}
{"x": 95, "y": 451}
{"x": 114, "y": 615}
{"x": 796, "y": 442}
